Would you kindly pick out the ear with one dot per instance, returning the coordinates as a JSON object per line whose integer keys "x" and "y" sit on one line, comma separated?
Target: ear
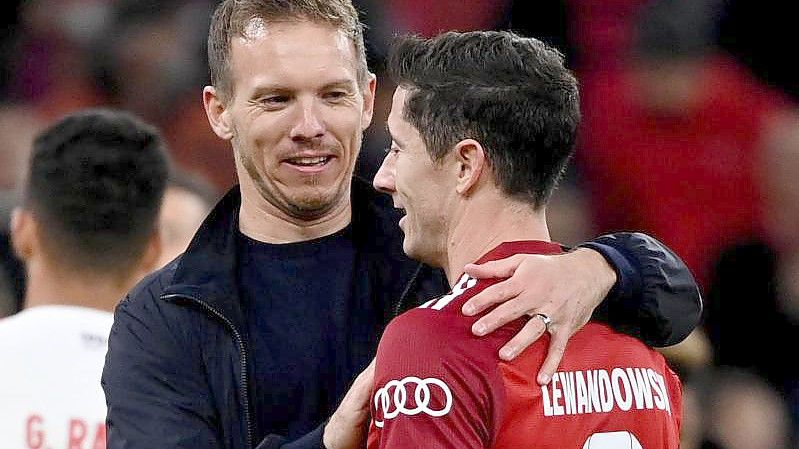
{"x": 152, "y": 254}
{"x": 24, "y": 234}
{"x": 218, "y": 114}
{"x": 368, "y": 101}
{"x": 472, "y": 161}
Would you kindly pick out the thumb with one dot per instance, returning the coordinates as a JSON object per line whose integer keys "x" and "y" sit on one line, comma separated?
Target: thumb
{"x": 502, "y": 268}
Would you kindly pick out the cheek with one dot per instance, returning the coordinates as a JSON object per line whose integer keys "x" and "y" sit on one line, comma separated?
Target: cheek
{"x": 346, "y": 125}
{"x": 265, "y": 131}
{"x": 263, "y": 140}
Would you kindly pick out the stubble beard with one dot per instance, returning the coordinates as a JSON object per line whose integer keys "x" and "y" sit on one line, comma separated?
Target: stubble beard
{"x": 311, "y": 204}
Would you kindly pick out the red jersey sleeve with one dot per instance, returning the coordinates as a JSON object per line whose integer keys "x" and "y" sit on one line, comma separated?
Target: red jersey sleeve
{"x": 436, "y": 385}
{"x": 427, "y": 393}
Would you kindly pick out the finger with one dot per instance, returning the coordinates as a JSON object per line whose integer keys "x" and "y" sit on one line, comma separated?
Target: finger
{"x": 502, "y": 268}
{"x": 528, "y": 335}
{"x": 500, "y": 316}
{"x": 495, "y": 294}
{"x": 557, "y": 346}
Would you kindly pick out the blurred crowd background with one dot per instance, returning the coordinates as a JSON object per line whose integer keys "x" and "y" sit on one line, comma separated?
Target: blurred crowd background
{"x": 690, "y": 133}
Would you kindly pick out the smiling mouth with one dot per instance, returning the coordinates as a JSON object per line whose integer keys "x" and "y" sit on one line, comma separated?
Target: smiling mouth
{"x": 316, "y": 161}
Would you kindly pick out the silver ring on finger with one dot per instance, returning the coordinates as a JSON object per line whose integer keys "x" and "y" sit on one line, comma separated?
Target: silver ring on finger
{"x": 545, "y": 319}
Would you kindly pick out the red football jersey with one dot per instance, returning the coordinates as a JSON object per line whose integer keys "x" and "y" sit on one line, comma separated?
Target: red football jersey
{"x": 439, "y": 386}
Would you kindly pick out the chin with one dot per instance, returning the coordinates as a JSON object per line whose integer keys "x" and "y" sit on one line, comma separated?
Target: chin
{"x": 408, "y": 248}
{"x": 417, "y": 253}
{"x": 316, "y": 203}
{"x": 310, "y": 208}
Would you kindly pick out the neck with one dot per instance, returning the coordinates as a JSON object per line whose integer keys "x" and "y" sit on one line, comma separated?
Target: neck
{"x": 262, "y": 221}
{"x": 486, "y": 220}
{"x": 48, "y": 285}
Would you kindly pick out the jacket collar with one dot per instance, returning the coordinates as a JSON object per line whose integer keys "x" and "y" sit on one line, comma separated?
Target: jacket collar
{"x": 206, "y": 272}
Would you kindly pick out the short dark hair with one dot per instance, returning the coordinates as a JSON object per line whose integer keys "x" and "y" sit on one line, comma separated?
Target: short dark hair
{"x": 510, "y": 93}
{"x": 231, "y": 18}
{"x": 95, "y": 185}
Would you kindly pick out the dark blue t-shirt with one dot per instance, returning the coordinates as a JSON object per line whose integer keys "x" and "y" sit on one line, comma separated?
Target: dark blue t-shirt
{"x": 312, "y": 327}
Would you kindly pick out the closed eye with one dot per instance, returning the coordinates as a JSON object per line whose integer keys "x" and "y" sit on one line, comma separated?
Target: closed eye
{"x": 273, "y": 102}
{"x": 275, "y": 99}
{"x": 335, "y": 95}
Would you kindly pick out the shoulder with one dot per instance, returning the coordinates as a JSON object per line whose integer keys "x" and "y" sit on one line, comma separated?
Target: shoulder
{"x": 435, "y": 383}
{"x": 145, "y": 296}
{"x": 154, "y": 284}
{"x": 143, "y": 312}
{"x": 152, "y": 334}
{"x": 618, "y": 350}
{"x": 54, "y": 318}
{"x": 18, "y": 327}
{"x": 74, "y": 344}
{"x": 442, "y": 330}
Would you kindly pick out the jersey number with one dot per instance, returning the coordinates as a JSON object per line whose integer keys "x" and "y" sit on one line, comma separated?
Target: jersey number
{"x": 612, "y": 440}
{"x": 465, "y": 283}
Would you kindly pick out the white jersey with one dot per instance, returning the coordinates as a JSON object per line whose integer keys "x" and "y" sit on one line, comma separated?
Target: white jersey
{"x": 51, "y": 360}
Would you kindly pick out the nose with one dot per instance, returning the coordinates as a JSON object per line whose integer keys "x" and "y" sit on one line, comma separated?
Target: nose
{"x": 384, "y": 179}
{"x": 309, "y": 124}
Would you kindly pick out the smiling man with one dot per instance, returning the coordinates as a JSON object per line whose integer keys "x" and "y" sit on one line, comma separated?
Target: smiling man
{"x": 482, "y": 127}
{"x": 254, "y": 335}
{"x": 296, "y": 120}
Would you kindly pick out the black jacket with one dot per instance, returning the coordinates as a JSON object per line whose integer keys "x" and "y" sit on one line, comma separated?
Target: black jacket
{"x": 176, "y": 369}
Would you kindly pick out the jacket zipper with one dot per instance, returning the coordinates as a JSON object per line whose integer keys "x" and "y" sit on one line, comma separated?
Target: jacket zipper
{"x": 401, "y": 303}
{"x": 245, "y": 395}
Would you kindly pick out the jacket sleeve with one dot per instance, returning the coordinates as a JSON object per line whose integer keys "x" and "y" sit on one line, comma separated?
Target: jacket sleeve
{"x": 311, "y": 440}
{"x": 154, "y": 383}
{"x": 655, "y": 299}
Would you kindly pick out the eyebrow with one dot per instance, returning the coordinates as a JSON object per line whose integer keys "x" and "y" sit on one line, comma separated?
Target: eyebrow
{"x": 268, "y": 89}
{"x": 344, "y": 82}
{"x": 279, "y": 88}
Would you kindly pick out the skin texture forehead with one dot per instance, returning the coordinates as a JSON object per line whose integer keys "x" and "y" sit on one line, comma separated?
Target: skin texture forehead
{"x": 258, "y": 28}
{"x": 290, "y": 55}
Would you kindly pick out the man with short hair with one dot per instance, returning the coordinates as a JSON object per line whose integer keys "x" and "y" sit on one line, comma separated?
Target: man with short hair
{"x": 482, "y": 127}
{"x": 253, "y": 336}
{"x": 87, "y": 232}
